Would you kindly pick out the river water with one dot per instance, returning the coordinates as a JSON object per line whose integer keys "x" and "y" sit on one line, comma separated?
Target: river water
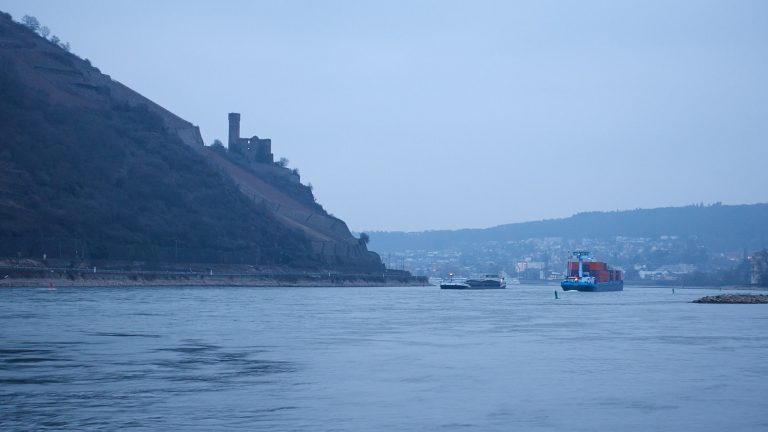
{"x": 380, "y": 359}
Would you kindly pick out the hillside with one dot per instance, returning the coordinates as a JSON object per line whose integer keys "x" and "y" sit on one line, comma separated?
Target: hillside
{"x": 720, "y": 227}
{"x": 91, "y": 169}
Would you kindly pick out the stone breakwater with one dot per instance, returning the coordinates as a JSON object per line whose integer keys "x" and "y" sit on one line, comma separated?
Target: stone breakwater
{"x": 734, "y": 299}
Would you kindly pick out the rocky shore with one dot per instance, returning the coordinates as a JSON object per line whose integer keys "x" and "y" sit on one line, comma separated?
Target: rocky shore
{"x": 159, "y": 280}
{"x": 208, "y": 282}
{"x": 734, "y": 299}
{"x": 30, "y": 273}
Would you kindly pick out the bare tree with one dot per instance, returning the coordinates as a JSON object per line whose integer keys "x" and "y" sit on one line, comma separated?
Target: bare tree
{"x": 45, "y": 31}
{"x": 65, "y": 46}
{"x": 31, "y": 22}
{"x": 55, "y": 39}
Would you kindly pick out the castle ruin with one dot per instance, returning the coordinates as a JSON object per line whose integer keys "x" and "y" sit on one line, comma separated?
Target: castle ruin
{"x": 254, "y": 149}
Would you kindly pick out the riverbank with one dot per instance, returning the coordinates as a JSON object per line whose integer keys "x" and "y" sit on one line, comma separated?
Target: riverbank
{"x": 98, "y": 277}
{"x": 59, "y": 283}
{"x": 206, "y": 281}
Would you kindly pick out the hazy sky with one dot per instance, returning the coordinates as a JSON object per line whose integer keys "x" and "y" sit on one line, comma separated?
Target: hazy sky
{"x": 436, "y": 114}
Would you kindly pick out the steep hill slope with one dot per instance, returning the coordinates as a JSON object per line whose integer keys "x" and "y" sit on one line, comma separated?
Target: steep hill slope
{"x": 90, "y": 168}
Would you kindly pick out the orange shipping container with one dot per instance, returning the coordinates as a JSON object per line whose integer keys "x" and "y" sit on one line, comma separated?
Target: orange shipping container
{"x": 596, "y": 265}
{"x": 603, "y": 276}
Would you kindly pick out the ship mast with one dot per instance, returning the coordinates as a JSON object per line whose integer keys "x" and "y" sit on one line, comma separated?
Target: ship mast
{"x": 580, "y": 254}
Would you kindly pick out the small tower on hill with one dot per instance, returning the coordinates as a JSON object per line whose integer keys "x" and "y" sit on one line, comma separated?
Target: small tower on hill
{"x": 234, "y": 129}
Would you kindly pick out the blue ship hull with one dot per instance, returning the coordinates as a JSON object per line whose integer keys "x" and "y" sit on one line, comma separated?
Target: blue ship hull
{"x": 567, "y": 285}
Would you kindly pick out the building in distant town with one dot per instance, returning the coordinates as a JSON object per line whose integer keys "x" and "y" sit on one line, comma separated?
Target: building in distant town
{"x": 254, "y": 149}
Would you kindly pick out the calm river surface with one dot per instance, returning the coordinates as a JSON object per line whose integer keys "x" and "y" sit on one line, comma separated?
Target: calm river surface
{"x": 380, "y": 359}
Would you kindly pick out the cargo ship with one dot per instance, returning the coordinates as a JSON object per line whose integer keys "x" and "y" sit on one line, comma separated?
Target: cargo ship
{"x": 591, "y": 275}
{"x": 488, "y": 281}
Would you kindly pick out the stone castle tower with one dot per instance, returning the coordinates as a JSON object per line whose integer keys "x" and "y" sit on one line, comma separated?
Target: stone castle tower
{"x": 234, "y": 129}
{"x": 253, "y": 149}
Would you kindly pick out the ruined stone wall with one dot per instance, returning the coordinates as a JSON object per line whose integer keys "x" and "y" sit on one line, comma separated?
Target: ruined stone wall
{"x": 254, "y": 150}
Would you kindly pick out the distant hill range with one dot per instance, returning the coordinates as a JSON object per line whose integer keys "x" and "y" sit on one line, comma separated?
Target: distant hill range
{"x": 90, "y": 169}
{"x": 719, "y": 227}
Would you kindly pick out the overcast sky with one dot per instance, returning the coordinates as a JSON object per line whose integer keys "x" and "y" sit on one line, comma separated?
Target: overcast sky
{"x": 436, "y": 114}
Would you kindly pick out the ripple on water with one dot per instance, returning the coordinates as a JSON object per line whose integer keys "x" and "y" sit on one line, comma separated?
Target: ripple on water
{"x": 195, "y": 361}
{"x": 118, "y": 334}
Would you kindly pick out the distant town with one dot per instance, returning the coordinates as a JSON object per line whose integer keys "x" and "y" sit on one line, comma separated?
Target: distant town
{"x": 693, "y": 245}
{"x": 667, "y": 259}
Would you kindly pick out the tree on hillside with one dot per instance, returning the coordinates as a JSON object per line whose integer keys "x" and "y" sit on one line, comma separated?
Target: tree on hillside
{"x": 55, "y": 39}
{"x": 31, "y": 22}
{"x": 218, "y": 147}
{"x": 364, "y": 238}
{"x": 283, "y": 162}
{"x": 45, "y": 32}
